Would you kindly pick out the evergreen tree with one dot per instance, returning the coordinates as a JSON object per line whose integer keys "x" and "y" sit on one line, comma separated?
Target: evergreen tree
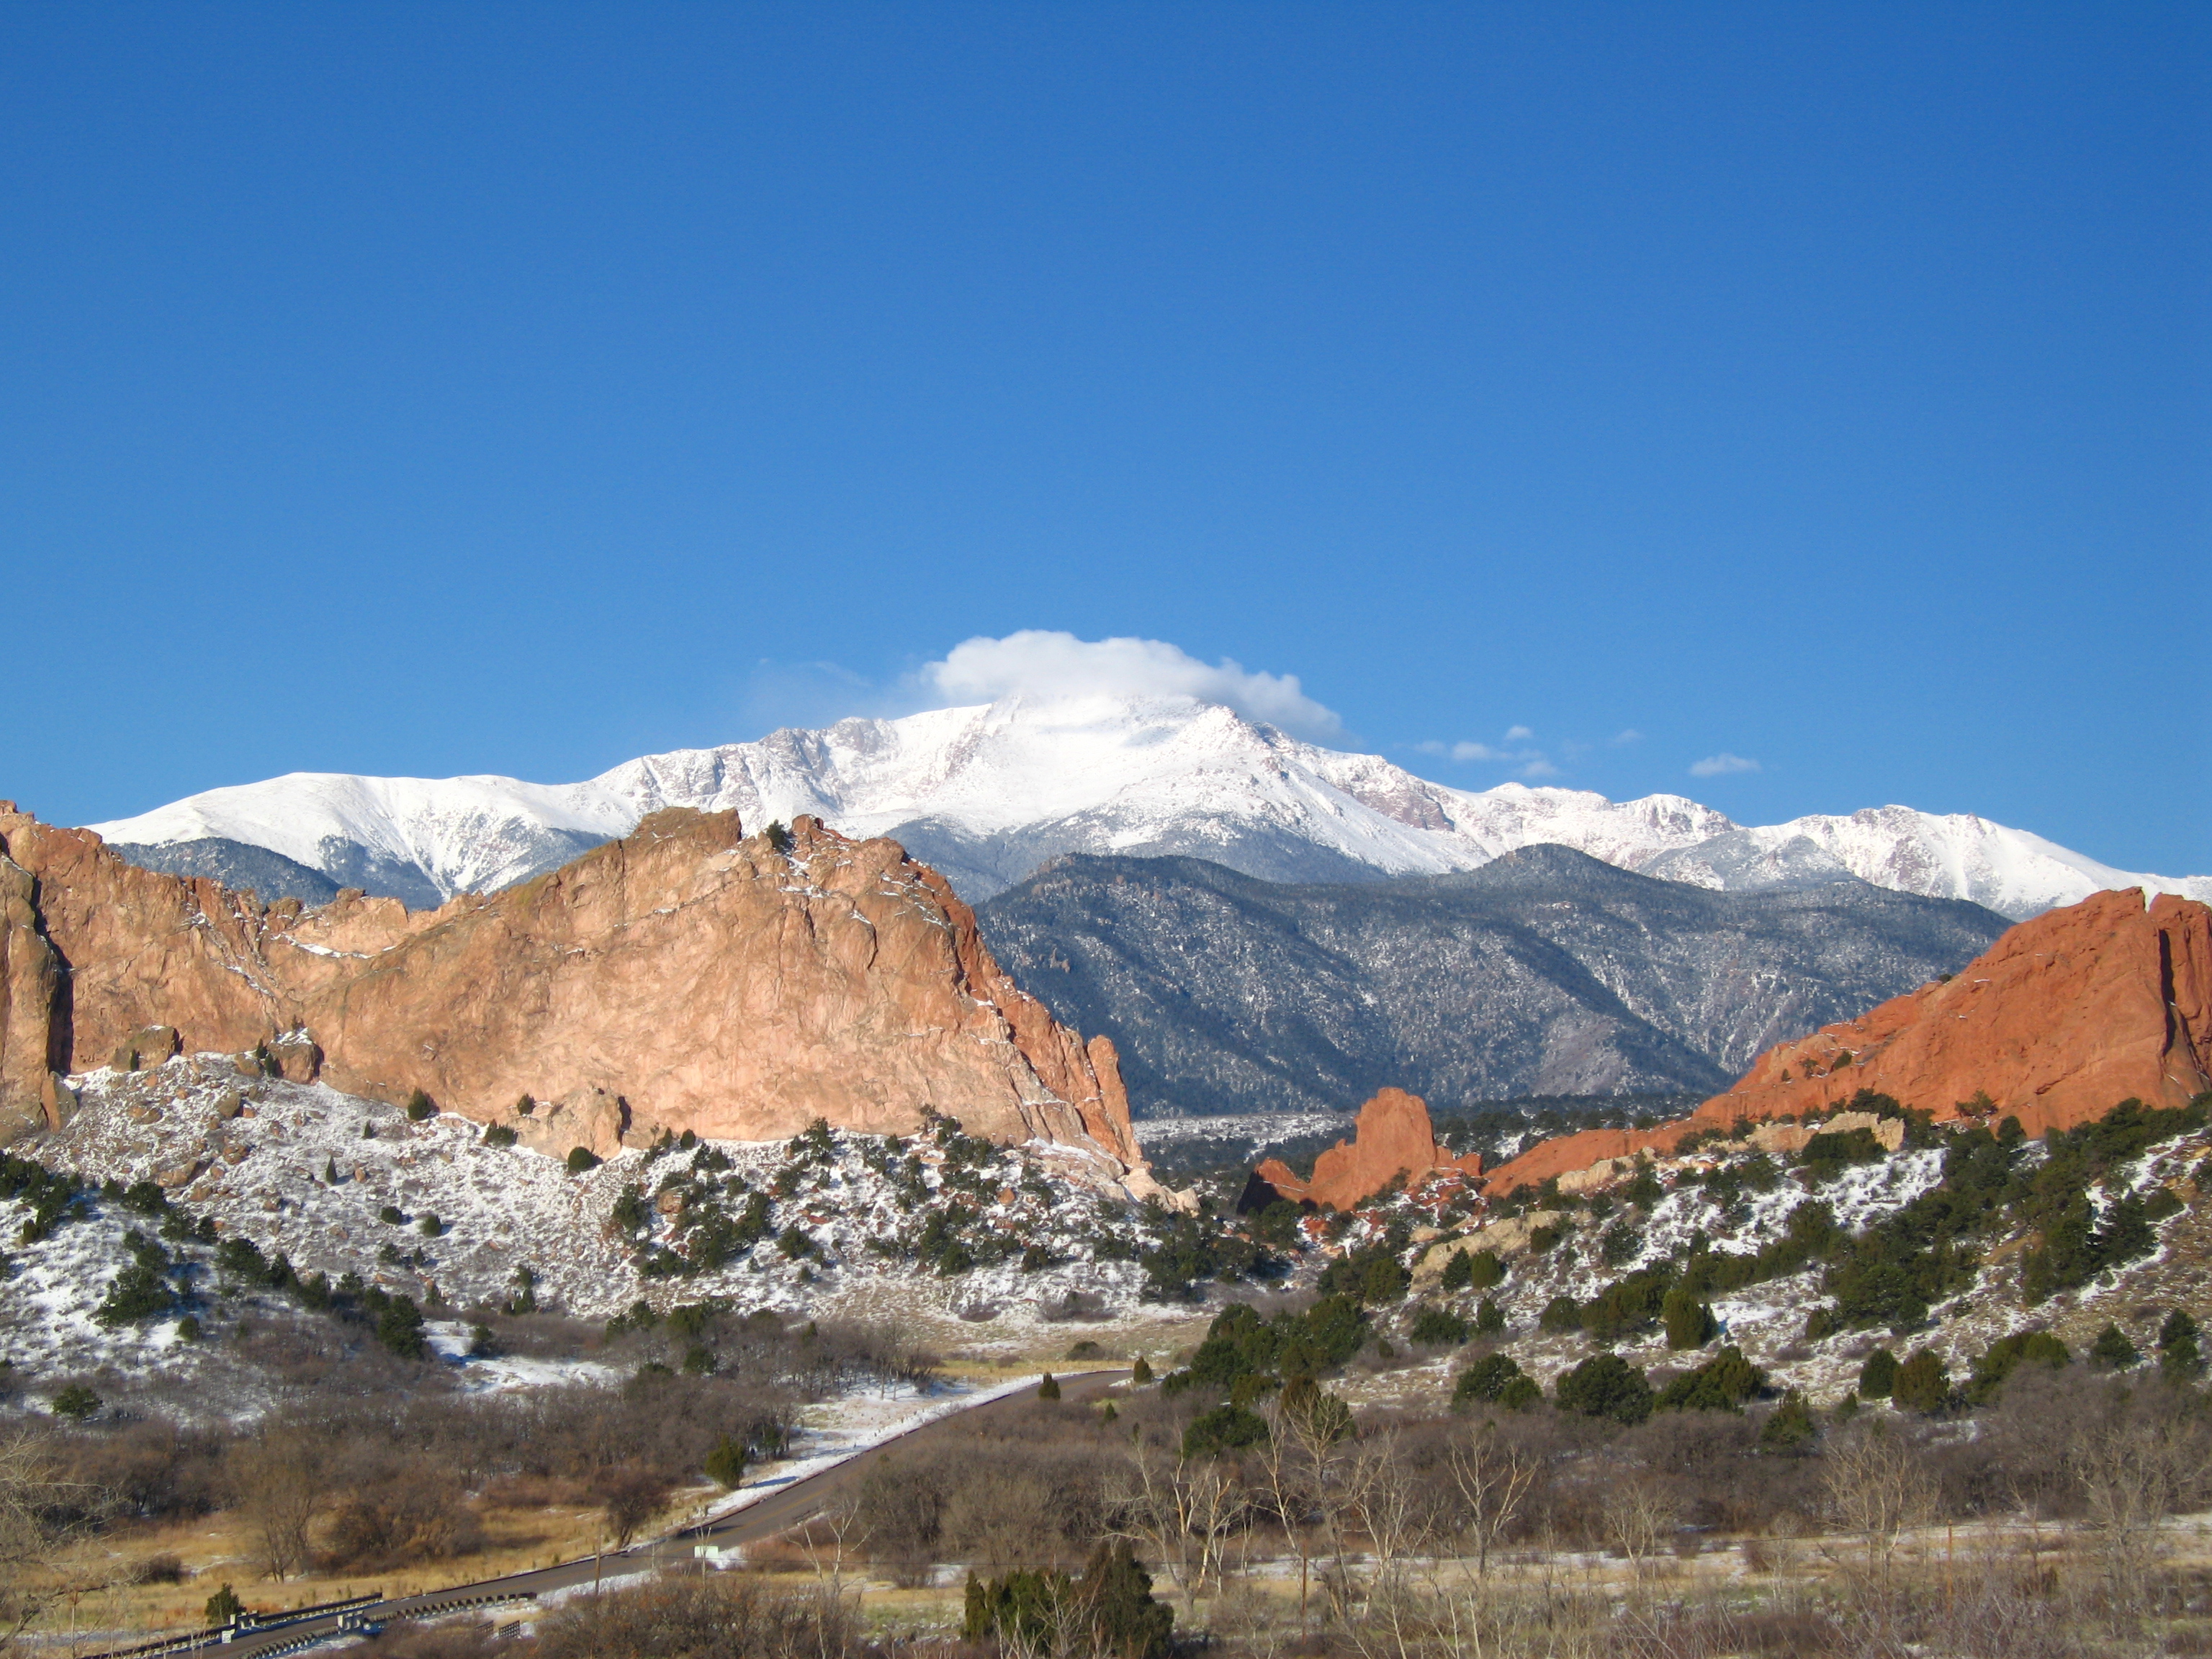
{"x": 1791, "y": 1426}
{"x": 2179, "y": 1355}
{"x": 1049, "y": 1389}
{"x": 1923, "y": 1384}
{"x": 726, "y": 1464}
{"x": 1115, "y": 1598}
{"x": 1878, "y": 1376}
{"x": 1690, "y": 1322}
{"x": 1141, "y": 1372}
{"x": 2112, "y": 1351}
{"x": 1606, "y": 1385}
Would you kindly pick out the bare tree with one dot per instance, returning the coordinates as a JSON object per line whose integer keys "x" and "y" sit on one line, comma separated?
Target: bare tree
{"x": 30, "y": 1535}
{"x": 2134, "y": 1473}
{"x": 1493, "y": 1478}
{"x": 281, "y": 1478}
{"x": 1876, "y": 1487}
{"x": 1639, "y": 1513}
{"x": 1183, "y": 1511}
{"x": 1288, "y": 1475}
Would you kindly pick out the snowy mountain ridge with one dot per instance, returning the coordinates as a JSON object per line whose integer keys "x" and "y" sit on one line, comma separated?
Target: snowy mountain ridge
{"x": 989, "y": 792}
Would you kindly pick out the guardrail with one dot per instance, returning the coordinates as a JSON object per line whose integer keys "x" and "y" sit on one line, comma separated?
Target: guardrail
{"x": 246, "y": 1624}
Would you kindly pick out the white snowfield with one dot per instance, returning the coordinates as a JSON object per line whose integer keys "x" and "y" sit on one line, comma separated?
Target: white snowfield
{"x": 1114, "y": 775}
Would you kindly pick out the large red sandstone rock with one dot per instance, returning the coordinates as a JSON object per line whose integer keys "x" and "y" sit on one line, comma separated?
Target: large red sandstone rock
{"x": 707, "y": 980}
{"x": 2059, "y": 1021}
{"x": 1392, "y": 1138}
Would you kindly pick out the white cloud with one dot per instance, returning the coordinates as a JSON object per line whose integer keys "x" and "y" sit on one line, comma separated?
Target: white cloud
{"x": 1713, "y": 766}
{"x": 1630, "y": 735}
{"x": 1518, "y": 734}
{"x": 1475, "y": 751}
{"x": 1540, "y": 767}
{"x": 1051, "y": 665}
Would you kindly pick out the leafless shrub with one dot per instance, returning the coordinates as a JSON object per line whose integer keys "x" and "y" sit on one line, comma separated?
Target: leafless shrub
{"x": 398, "y": 1510}
{"x": 162, "y": 1569}
{"x": 1085, "y": 1305}
{"x": 698, "y": 1619}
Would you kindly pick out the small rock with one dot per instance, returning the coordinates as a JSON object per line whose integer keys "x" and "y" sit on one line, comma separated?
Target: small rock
{"x": 228, "y": 1104}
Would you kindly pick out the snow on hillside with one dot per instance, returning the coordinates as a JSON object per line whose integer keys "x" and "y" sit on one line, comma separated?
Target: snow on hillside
{"x": 991, "y": 791}
{"x": 320, "y": 1176}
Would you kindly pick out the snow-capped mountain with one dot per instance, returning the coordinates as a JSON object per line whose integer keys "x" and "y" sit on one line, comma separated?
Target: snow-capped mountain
{"x": 987, "y": 794}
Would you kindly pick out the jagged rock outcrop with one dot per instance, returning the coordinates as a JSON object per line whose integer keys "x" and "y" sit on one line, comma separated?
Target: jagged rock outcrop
{"x": 700, "y": 979}
{"x": 1392, "y": 1138}
{"x": 2061, "y": 1020}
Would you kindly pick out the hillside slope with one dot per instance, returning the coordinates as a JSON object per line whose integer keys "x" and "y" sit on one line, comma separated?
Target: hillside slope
{"x": 1545, "y": 972}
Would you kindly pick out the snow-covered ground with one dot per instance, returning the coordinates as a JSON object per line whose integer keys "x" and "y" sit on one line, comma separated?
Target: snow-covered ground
{"x": 336, "y": 1184}
{"x": 1105, "y": 775}
{"x": 1767, "y": 1320}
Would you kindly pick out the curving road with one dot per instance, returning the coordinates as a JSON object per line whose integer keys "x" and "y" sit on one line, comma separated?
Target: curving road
{"x": 763, "y": 1519}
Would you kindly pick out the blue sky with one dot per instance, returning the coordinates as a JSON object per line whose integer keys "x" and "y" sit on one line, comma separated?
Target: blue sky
{"x": 455, "y": 388}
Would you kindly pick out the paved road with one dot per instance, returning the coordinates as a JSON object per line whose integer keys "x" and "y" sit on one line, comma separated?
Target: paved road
{"x": 764, "y": 1518}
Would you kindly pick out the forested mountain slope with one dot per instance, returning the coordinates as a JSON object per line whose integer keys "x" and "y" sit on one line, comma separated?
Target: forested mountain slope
{"x": 1545, "y": 972}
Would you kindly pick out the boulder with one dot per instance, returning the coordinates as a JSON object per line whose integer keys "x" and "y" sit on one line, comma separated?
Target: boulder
{"x": 146, "y": 1048}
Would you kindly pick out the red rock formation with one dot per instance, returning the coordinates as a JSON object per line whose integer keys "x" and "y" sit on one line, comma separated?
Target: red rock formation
{"x": 2064, "y": 1017}
{"x": 703, "y": 980}
{"x": 1392, "y": 1138}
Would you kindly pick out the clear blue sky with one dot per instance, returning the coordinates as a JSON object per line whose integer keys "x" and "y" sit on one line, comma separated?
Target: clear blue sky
{"x": 452, "y": 388}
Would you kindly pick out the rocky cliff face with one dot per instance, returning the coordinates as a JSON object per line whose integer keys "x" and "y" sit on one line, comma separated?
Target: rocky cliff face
{"x": 684, "y": 978}
{"x": 1392, "y": 1138}
{"x": 2059, "y": 1021}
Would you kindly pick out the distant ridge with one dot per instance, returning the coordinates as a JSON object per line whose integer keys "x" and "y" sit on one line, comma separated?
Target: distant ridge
{"x": 988, "y": 794}
{"x": 1545, "y": 972}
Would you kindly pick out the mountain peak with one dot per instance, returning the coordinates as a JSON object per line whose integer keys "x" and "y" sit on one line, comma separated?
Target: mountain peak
{"x": 988, "y": 791}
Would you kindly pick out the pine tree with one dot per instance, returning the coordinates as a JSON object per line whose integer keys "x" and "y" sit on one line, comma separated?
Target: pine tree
{"x": 726, "y": 1464}
{"x": 2179, "y": 1355}
{"x": 1049, "y": 1389}
{"x": 1791, "y": 1426}
{"x": 1690, "y": 1322}
{"x": 1458, "y": 1276}
{"x": 1141, "y": 1372}
{"x": 330, "y": 1172}
{"x": 1923, "y": 1384}
{"x": 1878, "y": 1376}
{"x": 2113, "y": 1350}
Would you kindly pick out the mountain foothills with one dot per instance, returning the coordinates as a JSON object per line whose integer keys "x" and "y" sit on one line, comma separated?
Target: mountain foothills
{"x": 685, "y": 979}
{"x": 986, "y": 794}
{"x": 1545, "y": 972}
